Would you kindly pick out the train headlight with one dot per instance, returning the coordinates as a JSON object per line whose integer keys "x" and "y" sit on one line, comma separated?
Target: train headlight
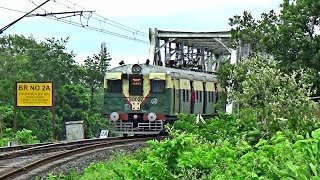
{"x": 152, "y": 116}
{"x": 114, "y": 116}
{"x": 135, "y": 117}
{"x": 136, "y": 69}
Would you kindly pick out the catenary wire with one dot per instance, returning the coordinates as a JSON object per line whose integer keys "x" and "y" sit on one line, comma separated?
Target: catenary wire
{"x": 104, "y": 19}
{"x": 86, "y": 27}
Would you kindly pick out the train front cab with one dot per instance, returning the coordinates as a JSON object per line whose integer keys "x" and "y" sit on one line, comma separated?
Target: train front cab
{"x": 143, "y": 108}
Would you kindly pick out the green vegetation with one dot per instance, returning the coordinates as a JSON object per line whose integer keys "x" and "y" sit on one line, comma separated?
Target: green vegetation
{"x": 224, "y": 151}
{"x": 291, "y": 37}
{"x": 78, "y": 88}
{"x": 278, "y": 100}
{"x": 273, "y": 135}
{"x": 23, "y": 137}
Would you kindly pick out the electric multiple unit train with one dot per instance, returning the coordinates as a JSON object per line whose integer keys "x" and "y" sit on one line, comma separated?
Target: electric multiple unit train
{"x": 141, "y": 98}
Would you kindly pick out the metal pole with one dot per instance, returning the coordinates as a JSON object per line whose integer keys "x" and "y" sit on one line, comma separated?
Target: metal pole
{"x": 53, "y": 115}
{"x": 7, "y": 26}
{"x": 53, "y": 124}
{"x": 15, "y": 119}
{"x": 15, "y": 108}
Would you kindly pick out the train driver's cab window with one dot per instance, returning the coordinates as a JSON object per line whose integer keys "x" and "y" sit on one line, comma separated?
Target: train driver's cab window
{"x": 157, "y": 86}
{"x": 115, "y": 85}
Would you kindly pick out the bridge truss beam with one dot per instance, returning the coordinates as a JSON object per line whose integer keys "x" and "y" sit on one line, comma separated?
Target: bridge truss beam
{"x": 198, "y": 51}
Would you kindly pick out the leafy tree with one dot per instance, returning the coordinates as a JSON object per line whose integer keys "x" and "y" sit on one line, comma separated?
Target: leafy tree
{"x": 72, "y": 105}
{"x": 280, "y": 100}
{"x": 95, "y": 69}
{"x": 292, "y": 36}
{"x": 78, "y": 89}
{"x": 25, "y": 59}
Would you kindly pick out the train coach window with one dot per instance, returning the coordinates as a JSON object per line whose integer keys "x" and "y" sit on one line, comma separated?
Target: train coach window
{"x": 198, "y": 96}
{"x": 183, "y": 95}
{"x": 157, "y": 86}
{"x": 187, "y": 95}
{"x": 210, "y": 94}
{"x": 115, "y": 85}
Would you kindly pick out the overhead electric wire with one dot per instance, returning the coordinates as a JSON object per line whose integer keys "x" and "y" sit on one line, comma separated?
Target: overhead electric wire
{"x": 12, "y": 9}
{"x": 87, "y": 27}
{"x": 134, "y": 31}
{"x": 104, "y": 19}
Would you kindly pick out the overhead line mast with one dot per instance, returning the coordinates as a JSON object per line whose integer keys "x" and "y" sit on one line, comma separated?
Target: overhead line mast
{"x": 9, "y": 25}
{"x": 59, "y": 13}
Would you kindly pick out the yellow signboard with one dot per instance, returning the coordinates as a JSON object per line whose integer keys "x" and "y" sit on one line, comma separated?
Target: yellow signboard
{"x": 34, "y": 94}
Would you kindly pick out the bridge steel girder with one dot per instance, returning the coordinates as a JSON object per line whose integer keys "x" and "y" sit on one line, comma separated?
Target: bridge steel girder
{"x": 200, "y": 51}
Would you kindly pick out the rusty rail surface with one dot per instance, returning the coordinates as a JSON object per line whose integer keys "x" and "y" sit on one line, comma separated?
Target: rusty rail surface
{"x": 78, "y": 149}
{"x": 21, "y": 147}
{"x": 51, "y": 147}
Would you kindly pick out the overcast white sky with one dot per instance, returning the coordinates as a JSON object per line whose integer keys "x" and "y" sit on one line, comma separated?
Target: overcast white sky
{"x": 177, "y": 15}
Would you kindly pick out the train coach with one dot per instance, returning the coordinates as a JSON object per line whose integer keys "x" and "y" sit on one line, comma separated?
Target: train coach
{"x": 141, "y": 98}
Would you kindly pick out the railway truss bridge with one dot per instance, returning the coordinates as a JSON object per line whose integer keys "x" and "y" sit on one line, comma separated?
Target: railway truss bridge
{"x": 197, "y": 51}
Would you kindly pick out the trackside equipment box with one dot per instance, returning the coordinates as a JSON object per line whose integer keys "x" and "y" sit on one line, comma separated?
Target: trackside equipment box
{"x": 75, "y": 130}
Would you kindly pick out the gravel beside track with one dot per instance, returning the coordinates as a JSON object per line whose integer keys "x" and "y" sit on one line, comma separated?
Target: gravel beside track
{"x": 20, "y": 161}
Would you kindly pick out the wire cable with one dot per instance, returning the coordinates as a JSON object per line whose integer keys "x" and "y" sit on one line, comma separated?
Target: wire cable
{"x": 86, "y": 27}
{"x": 105, "y": 20}
{"x": 131, "y": 30}
{"x": 12, "y": 10}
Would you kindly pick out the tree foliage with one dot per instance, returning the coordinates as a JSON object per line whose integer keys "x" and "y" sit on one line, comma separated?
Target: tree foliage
{"x": 77, "y": 88}
{"x": 280, "y": 100}
{"x": 292, "y": 36}
{"x": 94, "y": 71}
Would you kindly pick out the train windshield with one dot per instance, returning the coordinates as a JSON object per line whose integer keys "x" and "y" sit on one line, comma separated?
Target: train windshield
{"x": 115, "y": 85}
{"x": 136, "y": 85}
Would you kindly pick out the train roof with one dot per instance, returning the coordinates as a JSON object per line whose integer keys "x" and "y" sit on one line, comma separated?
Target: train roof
{"x": 173, "y": 72}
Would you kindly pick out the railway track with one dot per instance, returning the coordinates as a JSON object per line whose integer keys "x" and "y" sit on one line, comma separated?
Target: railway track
{"x": 28, "y": 162}
{"x": 4, "y": 150}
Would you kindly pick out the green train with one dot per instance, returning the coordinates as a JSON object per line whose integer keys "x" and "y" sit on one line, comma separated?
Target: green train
{"x": 141, "y": 98}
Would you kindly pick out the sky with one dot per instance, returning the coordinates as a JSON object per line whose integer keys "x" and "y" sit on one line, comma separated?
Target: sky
{"x": 129, "y": 18}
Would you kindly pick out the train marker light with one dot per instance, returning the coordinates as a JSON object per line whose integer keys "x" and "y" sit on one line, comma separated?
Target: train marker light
{"x": 152, "y": 116}
{"x": 114, "y": 116}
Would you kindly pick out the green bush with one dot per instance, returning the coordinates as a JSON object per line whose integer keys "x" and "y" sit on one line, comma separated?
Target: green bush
{"x": 23, "y": 137}
{"x": 192, "y": 157}
{"x": 279, "y": 101}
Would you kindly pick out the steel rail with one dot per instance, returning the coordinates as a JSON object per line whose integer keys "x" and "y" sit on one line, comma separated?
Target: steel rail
{"x": 53, "y": 147}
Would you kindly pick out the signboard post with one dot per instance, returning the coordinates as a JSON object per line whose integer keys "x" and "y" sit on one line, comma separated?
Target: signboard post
{"x": 34, "y": 94}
